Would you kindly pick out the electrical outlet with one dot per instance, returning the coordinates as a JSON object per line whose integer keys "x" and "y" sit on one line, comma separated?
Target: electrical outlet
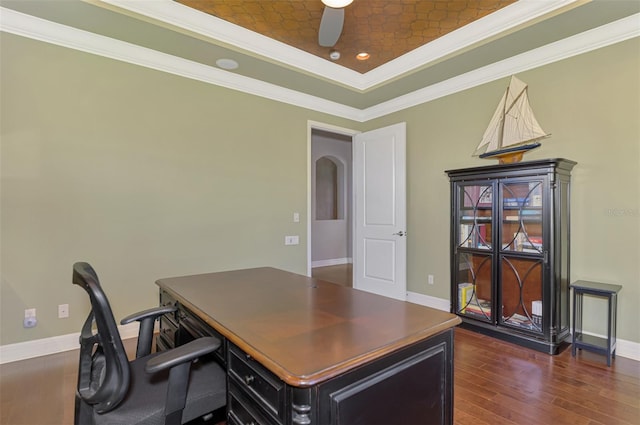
{"x": 296, "y": 217}
{"x": 30, "y": 320}
{"x": 63, "y": 311}
{"x": 430, "y": 279}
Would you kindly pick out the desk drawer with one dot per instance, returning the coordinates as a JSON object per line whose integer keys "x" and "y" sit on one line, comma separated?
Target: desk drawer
{"x": 191, "y": 328}
{"x": 162, "y": 344}
{"x": 260, "y": 384}
{"x": 242, "y": 411}
{"x": 167, "y": 337}
{"x": 168, "y": 300}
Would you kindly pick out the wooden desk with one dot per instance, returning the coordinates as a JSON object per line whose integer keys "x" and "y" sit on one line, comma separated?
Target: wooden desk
{"x": 302, "y": 351}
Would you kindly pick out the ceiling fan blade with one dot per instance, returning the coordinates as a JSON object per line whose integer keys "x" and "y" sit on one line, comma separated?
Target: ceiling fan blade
{"x": 330, "y": 26}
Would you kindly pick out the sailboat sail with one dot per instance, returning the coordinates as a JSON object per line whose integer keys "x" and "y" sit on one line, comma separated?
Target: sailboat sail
{"x": 513, "y": 123}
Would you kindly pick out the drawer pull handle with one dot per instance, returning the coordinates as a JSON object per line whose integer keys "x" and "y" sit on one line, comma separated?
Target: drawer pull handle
{"x": 249, "y": 379}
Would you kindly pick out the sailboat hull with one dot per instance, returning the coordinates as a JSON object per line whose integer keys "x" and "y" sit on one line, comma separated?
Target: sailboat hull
{"x": 510, "y": 155}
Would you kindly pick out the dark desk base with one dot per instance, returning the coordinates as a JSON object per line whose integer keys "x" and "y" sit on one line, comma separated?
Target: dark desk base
{"x": 411, "y": 386}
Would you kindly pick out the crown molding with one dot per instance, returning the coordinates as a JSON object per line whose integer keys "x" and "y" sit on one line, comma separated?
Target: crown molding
{"x": 184, "y": 17}
{"x": 49, "y": 32}
{"x": 501, "y": 21}
{"x": 615, "y": 32}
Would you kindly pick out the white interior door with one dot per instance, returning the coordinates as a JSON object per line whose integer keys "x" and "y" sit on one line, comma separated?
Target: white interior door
{"x": 379, "y": 179}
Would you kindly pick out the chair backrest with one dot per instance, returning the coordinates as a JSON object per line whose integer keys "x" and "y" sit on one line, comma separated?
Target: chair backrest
{"x": 103, "y": 375}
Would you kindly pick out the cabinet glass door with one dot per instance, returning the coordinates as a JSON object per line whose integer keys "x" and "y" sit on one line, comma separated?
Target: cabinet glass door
{"x": 475, "y": 216}
{"x": 522, "y": 216}
{"x": 474, "y": 261}
{"x": 521, "y": 292}
{"x": 474, "y": 277}
{"x": 522, "y": 259}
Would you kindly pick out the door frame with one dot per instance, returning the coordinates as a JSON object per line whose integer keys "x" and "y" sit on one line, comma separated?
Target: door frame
{"x": 316, "y": 125}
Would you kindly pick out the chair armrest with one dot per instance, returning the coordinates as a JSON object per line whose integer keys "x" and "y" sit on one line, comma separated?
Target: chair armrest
{"x": 150, "y": 313}
{"x": 178, "y": 360}
{"x": 182, "y": 354}
{"x": 146, "y": 318}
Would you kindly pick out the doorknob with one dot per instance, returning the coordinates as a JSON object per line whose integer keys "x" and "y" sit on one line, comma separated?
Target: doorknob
{"x": 401, "y": 233}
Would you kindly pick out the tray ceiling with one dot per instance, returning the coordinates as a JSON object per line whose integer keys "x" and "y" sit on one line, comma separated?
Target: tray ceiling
{"x": 477, "y": 42}
{"x": 384, "y": 29}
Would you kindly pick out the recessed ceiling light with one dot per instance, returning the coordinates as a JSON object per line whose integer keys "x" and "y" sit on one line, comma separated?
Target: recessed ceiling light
{"x": 334, "y": 55}
{"x": 227, "y": 63}
{"x": 363, "y": 56}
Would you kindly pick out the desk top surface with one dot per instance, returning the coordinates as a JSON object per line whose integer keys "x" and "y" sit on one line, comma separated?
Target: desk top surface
{"x": 304, "y": 330}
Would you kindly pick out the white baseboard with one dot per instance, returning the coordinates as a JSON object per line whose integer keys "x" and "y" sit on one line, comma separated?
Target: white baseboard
{"x": 331, "y": 262}
{"x": 428, "y": 301}
{"x": 626, "y": 349}
{"x": 56, "y": 344}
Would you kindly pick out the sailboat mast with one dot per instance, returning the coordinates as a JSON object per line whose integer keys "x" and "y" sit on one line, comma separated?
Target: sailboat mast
{"x": 507, "y": 110}
{"x": 504, "y": 113}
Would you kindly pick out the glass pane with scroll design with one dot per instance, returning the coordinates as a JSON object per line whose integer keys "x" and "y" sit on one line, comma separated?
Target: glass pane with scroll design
{"x": 522, "y": 292}
{"x": 522, "y": 216}
{"x": 474, "y": 285}
{"x": 475, "y": 216}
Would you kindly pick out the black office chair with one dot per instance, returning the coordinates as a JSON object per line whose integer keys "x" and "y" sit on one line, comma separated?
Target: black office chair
{"x": 171, "y": 387}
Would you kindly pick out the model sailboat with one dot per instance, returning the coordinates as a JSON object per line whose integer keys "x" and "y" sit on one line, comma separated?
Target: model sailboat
{"x": 513, "y": 129}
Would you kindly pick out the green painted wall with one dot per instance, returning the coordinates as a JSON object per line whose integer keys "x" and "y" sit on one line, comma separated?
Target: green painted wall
{"x": 141, "y": 173}
{"x": 148, "y": 175}
{"x": 591, "y": 105}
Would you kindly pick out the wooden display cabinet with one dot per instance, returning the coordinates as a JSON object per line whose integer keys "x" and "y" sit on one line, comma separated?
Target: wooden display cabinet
{"x": 510, "y": 251}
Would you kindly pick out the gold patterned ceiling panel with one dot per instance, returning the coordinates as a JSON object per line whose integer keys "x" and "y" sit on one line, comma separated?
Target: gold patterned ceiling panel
{"x": 386, "y": 29}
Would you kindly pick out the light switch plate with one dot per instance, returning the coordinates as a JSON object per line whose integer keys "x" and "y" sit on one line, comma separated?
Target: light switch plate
{"x": 291, "y": 240}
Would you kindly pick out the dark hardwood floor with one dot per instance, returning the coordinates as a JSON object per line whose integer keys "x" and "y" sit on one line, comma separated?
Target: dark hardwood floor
{"x": 502, "y": 383}
{"x": 495, "y": 383}
{"x": 340, "y": 274}
{"x": 41, "y": 391}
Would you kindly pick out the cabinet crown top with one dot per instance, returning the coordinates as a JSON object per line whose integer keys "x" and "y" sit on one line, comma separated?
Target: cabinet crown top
{"x": 546, "y": 165}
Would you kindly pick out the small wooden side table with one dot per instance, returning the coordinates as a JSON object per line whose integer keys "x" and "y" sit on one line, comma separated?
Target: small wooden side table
{"x": 589, "y": 342}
